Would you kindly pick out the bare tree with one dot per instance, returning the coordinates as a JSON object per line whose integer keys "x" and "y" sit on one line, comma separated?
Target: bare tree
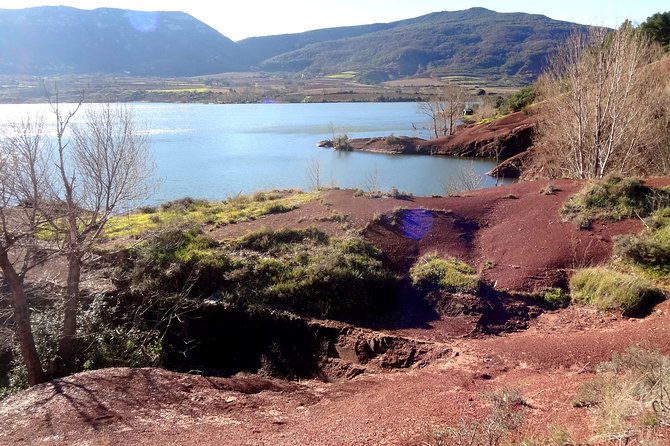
{"x": 601, "y": 97}
{"x": 70, "y": 185}
{"x": 313, "y": 171}
{"x": 104, "y": 165}
{"x": 23, "y": 181}
{"x": 444, "y": 108}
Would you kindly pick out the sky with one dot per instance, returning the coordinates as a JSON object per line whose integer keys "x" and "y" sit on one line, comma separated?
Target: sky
{"x": 248, "y": 18}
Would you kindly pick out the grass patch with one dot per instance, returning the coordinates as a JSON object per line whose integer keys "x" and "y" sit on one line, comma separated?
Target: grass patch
{"x": 606, "y": 289}
{"x": 304, "y": 271}
{"x": 555, "y": 297}
{"x": 452, "y": 275}
{"x": 614, "y": 199}
{"x": 629, "y": 395}
{"x": 199, "y": 212}
{"x": 651, "y": 249}
{"x": 342, "y": 75}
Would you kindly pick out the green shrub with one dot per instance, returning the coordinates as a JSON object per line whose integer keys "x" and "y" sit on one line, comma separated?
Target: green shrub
{"x": 452, "y": 275}
{"x": 275, "y": 241}
{"x": 651, "y": 249}
{"x": 606, "y": 289}
{"x": 517, "y": 101}
{"x": 615, "y": 198}
{"x": 297, "y": 270}
{"x": 555, "y": 297}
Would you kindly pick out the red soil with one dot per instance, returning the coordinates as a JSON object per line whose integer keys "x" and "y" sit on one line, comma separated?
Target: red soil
{"x": 514, "y": 228}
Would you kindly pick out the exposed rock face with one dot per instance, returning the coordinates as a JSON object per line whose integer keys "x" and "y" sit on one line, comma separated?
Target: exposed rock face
{"x": 511, "y": 167}
{"x": 503, "y": 139}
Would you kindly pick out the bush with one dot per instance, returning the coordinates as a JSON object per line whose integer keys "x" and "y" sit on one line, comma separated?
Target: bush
{"x": 505, "y": 417}
{"x": 297, "y": 270}
{"x": 615, "y": 198}
{"x": 517, "y": 101}
{"x": 651, "y": 249}
{"x": 431, "y": 272}
{"x": 555, "y": 298}
{"x": 611, "y": 290}
{"x": 341, "y": 142}
{"x": 629, "y": 394}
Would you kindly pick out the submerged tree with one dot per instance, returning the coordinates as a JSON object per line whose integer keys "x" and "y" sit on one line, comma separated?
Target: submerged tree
{"x": 602, "y": 98}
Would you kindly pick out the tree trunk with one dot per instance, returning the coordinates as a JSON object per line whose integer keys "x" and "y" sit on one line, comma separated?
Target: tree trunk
{"x": 66, "y": 347}
{"x": 24, "y": 332}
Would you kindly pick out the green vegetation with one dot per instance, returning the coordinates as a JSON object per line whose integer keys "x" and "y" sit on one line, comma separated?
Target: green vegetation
{"x": 629, "y": 395}
{"x": 658, "y": 28}
{"x": 555, "y": 297}
{"x": 517, "y": 102}
{"x": 343, "y": 75}
{"x": 198, "y": 212}
{"x": 341, "y": 142}
{"x": 651, "y": 249}
{"x": 181, "y": 90}
{"x": 452, "y": 275}
{"x": 304, "y": 271}
{"x": 108, "y": 336}
{"x": 615, "y": 198}
{"x": 607, "y": 289}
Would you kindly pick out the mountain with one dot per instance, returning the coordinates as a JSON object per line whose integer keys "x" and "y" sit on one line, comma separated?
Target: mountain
{"x": 476, "y": 41}
{"x": 56, "y": 40}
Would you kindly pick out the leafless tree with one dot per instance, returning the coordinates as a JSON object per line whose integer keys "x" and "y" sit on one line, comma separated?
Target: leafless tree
{"x": 444, "y": 108}
{"x": 23, "y": 181}
{"x": 601, "y": 95}
{"x": 313, "y": 171}
{"x": 69, "y": 185}
{"x": 104, "y": 165}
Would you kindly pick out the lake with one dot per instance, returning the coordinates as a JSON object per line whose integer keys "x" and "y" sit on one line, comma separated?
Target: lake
{"x": 214, "y": 151}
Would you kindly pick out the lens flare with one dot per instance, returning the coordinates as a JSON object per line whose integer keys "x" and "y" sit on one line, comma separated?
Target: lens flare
{"x": 144, "y": 22}
{"x": 416, "y": 223}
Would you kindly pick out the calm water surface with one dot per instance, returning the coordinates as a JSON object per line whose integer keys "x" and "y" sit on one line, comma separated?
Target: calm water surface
{"x": 214, "y": 151}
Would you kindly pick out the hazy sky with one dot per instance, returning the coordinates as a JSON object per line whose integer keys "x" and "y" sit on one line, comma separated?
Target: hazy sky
{"x": 248, "y": 18}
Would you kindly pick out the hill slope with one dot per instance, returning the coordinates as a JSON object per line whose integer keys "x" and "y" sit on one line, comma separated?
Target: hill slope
{"x": 474, "y": 41}
{"x": 56, "y": 40}
{"x": 477, "y": 41}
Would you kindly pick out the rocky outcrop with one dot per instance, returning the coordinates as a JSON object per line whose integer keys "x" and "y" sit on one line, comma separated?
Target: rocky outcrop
{"x": 503, "y": 139}
{"x": 511, "y": 167}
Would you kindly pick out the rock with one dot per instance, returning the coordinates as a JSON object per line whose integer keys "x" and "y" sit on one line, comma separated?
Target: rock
{"x": 326, "y": 143}
{"x": 502, "y": 138}
{"x": 511, "y": 167}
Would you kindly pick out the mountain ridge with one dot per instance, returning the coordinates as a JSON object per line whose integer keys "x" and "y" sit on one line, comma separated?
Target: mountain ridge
{"x": 63, "y": 40}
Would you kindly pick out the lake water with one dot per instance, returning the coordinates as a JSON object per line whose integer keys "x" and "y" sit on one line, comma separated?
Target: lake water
{"x": 215, "y": 151}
